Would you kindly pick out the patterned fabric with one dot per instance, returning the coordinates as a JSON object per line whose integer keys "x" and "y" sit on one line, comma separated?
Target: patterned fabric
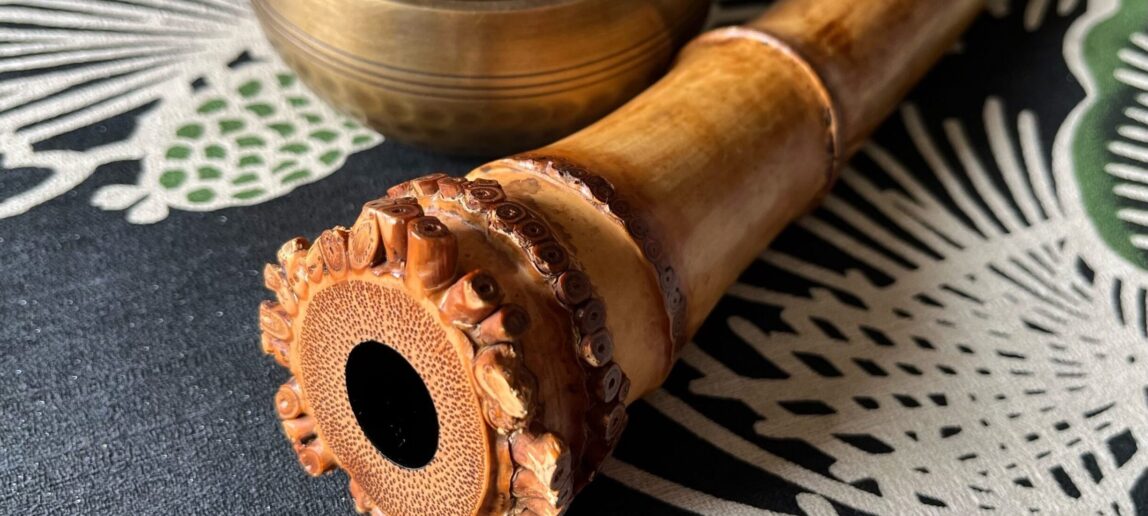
{"x": 961, "y": 328}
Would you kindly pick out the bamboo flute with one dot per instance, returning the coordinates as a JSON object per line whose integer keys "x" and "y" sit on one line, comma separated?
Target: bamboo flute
{"x": 470, "y": 345}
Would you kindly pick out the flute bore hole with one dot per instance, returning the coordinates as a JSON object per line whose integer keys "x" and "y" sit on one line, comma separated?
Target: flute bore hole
{"x": 392, "y": 404}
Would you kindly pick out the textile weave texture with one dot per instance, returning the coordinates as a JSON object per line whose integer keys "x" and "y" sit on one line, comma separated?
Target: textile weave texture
{"x": 962, "y": 328}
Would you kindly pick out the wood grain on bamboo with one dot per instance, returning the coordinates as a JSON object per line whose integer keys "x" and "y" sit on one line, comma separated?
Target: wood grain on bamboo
{"x": 562, "y": 283}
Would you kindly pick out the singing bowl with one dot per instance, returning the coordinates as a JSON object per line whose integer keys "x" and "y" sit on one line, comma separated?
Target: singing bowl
{"x": 478, "y": 77}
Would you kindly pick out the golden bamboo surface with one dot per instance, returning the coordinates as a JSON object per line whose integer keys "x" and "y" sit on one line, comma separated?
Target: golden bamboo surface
{"x": 533, "y": 300}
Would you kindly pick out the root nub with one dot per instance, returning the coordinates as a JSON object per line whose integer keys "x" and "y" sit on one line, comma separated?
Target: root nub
{"x": 504, "y": 325}
{"x": 274, "y": 320}
{"x": 609, "y": 419}
{"x": 315, "y": 457}
{"x": 314, "y": 264}
{"x": 507, "y": 388}
{"x": 597, "y": 348}
{"x": 299, "y": 429}
{"x": 605, "y": 382}
{"x": 573, "y": 288}
{"x": 287, "y": 251}
{"x": 392, "y": 220}
{"x": 365, "y": 247}
{"x": 472, "y": 297}
{"x": 426, "y": 185}
{"x": 432, "y": 254}
{"x": 333, "y": 247}
{"x": 279, "y": 349}
{"x": 543, "y": 453}
{"x": 289, "y": 401}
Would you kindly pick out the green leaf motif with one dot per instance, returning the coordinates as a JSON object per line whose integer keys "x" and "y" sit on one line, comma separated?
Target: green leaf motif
{"x": 261, "y": 109}
{"x": 172, "y": 178}
{"x": 178, "y": 152}
{"x": 330, "y": 157}
{"x": 190, "y": 131}
{"x": 1108, "y": 157}
{"x": 201, "y": 195}
{"x": 324, "y": 135}
{"x": 211, "y": 106}
{"x": 215, "y": 152}
{"x": 295, "y": 148}
{"x": 209, "y": 173}
{"x": 245, "y": 178}
{"x": 250, "y": 89}
{"x": 284, "y": 165}
{"x": 296, "y": 176}
{"x": 249, "y": 194}
{"x": 250, "y": 141}
{"x": 284, "y": 129}
{"x": 281, "y": 138}
{"x": 230, "y": 126}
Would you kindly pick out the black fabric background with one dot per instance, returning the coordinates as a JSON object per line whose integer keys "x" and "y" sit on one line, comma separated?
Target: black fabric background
{"x": 131, "y": 380}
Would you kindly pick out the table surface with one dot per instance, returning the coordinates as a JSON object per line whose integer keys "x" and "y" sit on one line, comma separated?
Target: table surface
{"x": 961, "y": 328}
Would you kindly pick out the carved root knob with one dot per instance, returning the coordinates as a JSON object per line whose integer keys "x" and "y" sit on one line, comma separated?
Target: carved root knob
{"x": 624, "y": 389}
{"x": 392, "y": 221}
{"x": 299, "y": 429}
{"x": 507, "y": 389}
{"x": 366, "y": 248}
{"x": 314, "y": 264}
{"x": 573, "y": 288}
{"x": 432, "y": 254}
{"x": 451, "y": 187}
{"x": 278, "y": 349}
{"x": 596, "y": 348}
{"x": 549, "y": 258}
{"x": 605, "y": 382}
{"x": 274, "y": 320}
{"x": 426, "y": 185}
{"x": 289, "y": 401}
{"x": 478, "y": 197}
{"x": 507, "y": 214}
{"x": 287, "y": 251}
{"x": 472, "y": 298}
{"x": 503, "y": 325}
{"x": 590, "y": 317}
{"x": 333, "y": 247}
{"x": 315, "y": 457}
{"x": 557, "y": 493}
{"x": 400, "y": 190}
{"x": 542, "y": 453}
{"x": 297, "y": 275}
{"x": 531, "y": 232}
{"x": 273, "y": 277}
{"x": 287, "y": 299}
{"x": 609, "y": 420}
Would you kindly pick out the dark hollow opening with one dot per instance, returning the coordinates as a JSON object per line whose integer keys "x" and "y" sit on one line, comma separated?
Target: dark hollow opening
{"x": 392, "y": 404}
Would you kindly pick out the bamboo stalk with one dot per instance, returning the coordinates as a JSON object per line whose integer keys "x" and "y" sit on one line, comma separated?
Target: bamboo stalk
{"x": 594, "y": 258}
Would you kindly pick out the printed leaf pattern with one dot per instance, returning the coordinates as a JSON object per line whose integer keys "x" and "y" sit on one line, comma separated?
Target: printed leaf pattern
{"x": 949, "y": 333}
{"x": 1110, "y": 147}
{"x": 254, "y": 137}
{"x": 212, "y": 111}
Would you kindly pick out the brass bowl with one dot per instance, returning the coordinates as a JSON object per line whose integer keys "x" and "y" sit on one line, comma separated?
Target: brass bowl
{"x": 478, "y": 77}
